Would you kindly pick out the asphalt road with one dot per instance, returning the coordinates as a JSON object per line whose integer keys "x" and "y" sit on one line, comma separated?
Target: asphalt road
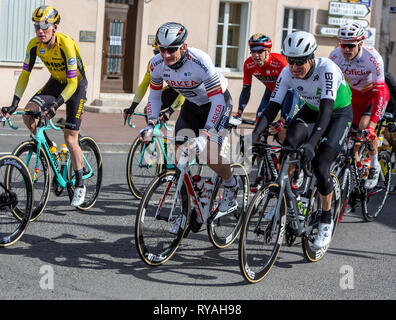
{"x": 67, "y": 254}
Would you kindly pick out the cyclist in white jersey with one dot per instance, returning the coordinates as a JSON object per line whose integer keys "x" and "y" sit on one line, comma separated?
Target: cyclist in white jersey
{"x": 327, "y": 97}
{"x": 206, "y": 110}
{"x": 363, "y": 68}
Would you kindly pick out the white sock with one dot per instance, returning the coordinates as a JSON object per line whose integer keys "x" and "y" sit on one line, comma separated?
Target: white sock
{"x": 374, "y": 161}
{"x": 231, "y": 182}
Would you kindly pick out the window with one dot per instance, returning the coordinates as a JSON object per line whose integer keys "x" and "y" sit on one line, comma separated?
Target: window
{"x": 231, "y": 40}
{"x": 296, "y": 20}
{"x": 16, "y": 28}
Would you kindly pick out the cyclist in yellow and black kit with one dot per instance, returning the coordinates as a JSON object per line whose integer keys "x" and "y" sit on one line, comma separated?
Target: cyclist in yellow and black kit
{"x": 67, "y": 84}
{"x": 170, "y": 98}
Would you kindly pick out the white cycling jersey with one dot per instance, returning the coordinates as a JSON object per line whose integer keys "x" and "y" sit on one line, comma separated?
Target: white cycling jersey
{"x": 197, "y": 80}
{"x": 325, "y": 82}
{"x": 362, "y": 72}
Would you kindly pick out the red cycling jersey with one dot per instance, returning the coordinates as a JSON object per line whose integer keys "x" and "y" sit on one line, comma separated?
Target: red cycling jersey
{"x": 268, "y": 73}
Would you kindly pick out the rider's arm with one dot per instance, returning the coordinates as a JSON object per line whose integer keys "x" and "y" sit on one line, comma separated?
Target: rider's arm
{"x": 266, "y": 118}
{"x": 247, "y": 83}
{"x": 322, "y": 121}
{"x": 379, "y": 88}
{"x": 154, "y": 99}
{"x": 142, "y": 88}
{"x": 289, "y": 104}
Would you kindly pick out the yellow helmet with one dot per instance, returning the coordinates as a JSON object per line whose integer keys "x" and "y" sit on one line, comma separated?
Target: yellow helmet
{"x": 155, "y": 45}
{"x": 46, "y": 14}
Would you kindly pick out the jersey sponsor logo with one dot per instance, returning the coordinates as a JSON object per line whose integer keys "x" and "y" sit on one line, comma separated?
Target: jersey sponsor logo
{"x": 299, "y": 88}
{"x": 55, "y": 66}
{"x": 377, "y": 65}
{"x": 355, "y": 72}
{"x": 267, "y": 78}
{"x": 71, "y": 61}
{"x": 199, "y": 63}
{"x": 151, "y": 67}
{"x": 42, "y": 51}
{"x": 187, "y": 74}
{"x": 183, "y": 83}
{"x": 329, "y": 83}
{"x": 250, "y": 65}
{"x": 316, "y": 78}
{"x": 217, "y": 113}
{"x": 276, "y": 87}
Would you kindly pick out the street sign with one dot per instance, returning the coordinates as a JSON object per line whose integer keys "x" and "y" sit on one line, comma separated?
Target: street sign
{"x": 392, "y": 9}
{"x": 328, "y": 31}
{"x": 347, "y": 9}
{"x": 340, "y": 21}
{"x": 370, "y": 37}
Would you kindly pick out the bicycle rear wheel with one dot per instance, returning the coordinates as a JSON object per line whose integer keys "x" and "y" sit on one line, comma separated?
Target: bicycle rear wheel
{"x": 156, "y": 237}
{"x": 92, "y": 161}
{"x": 224, "y": 230}
{"x": 344, "y": 176}
{"x": 144, "y": 163}
{"x": 261, "y": 238}
{"x": 374, "y": 200}
{"x": 27, "y": 152}
{"x": 16, "y": 189}
{"x": 312, "y": 220}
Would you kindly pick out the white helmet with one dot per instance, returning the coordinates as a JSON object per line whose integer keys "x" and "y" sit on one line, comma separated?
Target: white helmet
{"x": 171, "y": 34}
{"x": 299, "y": 44}
{"x": 351, "y": 31}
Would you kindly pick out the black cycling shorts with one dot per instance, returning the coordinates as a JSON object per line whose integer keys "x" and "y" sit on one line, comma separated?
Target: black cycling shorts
{"x": 74, "y": 106}
{"x": 194, "y": 117}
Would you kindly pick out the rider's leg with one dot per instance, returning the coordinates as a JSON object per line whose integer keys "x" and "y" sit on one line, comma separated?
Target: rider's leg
{"x": 29, "y": 121}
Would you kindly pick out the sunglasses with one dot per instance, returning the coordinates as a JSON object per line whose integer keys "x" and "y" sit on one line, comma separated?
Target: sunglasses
{"x": 169, "y": 49}
{"x": 297, "y": 61}
{"x": 42, "y": 26}
{"x": 259, "y": 51}
{"x": 348, "y": 45}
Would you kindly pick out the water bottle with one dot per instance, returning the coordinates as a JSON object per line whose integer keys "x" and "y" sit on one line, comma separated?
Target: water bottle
{"x": 366, "y": 164}
{"x": 302, "y": 203}
{"x": 54, "y": 153}
{"x": 63, "y": 154}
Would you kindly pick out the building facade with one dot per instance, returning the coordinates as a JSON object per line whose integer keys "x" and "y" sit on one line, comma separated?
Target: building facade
{"x": 115, "y": 36}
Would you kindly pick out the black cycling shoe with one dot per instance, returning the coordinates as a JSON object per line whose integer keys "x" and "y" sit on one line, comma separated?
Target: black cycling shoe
{"x": 195, "y": 226}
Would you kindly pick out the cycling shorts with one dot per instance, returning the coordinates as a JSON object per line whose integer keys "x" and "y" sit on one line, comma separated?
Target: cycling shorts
{"x": 74, "y": 106}
{"x": 362, "y": 104}
{"x": 194, "y": 117}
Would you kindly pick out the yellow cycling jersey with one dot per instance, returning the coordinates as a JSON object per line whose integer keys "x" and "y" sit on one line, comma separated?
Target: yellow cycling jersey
{"x": 63, "y": 61}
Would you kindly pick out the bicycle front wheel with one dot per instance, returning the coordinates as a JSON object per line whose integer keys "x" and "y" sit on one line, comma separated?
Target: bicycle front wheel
{"x": 144, "y": 163}
{"x": 224, "y": 230}
{"x": 27, "y": 152}
{"x": 161, "y": 219}
{"x": 16, "y": 190}
{"x": 312, "y": 220}
{"x": 375, "y": 198}
{"x": 92, "y": 169}
{"x": 262, "y": 234}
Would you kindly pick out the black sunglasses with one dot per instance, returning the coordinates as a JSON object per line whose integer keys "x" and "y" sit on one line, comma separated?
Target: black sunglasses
{"x": 348, "y": 45}
{"x": 259, "y": 51}
{"x": 169, "y": 49}
{"x": 297, "y": 61}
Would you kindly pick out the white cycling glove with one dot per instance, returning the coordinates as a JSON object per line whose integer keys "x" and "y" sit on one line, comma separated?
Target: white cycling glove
{"x": 147, "y": 133}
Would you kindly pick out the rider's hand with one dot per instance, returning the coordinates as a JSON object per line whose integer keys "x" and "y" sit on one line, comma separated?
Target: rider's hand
{"x": 370, "y": 133}
{"x": 129, "y": 111}
{"x": 50, "y": 110}
{"x": 167, "y": 114}
{"x": 277, "y": 127}
{"x": 146, "y": 134}
{"x": 7, "y": 111}
{"x": 307, "y": 152}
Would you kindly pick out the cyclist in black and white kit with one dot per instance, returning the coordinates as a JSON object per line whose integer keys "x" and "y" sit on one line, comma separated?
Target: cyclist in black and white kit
{"x": 206, "y": 110}
{"x": 327, "y": 96}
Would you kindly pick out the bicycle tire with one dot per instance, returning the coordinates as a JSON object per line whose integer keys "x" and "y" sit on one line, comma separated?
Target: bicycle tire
{"x": 17, "y": 188}
{"x": 224, "y": 230}
{"x": 93, "y": 184}
{"x": 147, "y": 172}
{"x": 392, "y": 189}
{"x": 344, "y": 176}
{"x": 257, "y": 252}
{"x": 312, "y": 219}
{"x": 154, "y": 243}
{"x": 370, "y": 208}
{"x": 27, "y": 152}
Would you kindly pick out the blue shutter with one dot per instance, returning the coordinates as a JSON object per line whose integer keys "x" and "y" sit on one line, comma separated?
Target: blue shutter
{"x": 16, "y": 28}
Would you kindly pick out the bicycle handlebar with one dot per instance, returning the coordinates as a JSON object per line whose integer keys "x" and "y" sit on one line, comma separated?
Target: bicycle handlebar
{"x": 35, "y": 114}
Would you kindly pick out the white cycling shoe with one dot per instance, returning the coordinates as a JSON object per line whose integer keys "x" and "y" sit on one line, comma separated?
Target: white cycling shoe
{"x": 323, "y": 238}
{"x": 78, "y": 197}
{"x": 372, "y": 178}
{"x": 229, "y": 201}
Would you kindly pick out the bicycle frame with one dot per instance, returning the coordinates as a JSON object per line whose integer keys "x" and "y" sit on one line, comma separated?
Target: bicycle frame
{"x": 40, "y": 141}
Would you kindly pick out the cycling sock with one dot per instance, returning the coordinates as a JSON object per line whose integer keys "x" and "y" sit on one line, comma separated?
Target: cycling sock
{"x": 79, "y": 180}
{"x": 325, "y": 217}
{"x": 231, "y": 182}
{"x": 374, "y": 161}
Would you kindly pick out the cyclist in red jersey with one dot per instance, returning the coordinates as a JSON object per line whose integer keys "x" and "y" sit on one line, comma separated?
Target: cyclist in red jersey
{"x": 363, "y": 68}
{"x": 266, "y": 67}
